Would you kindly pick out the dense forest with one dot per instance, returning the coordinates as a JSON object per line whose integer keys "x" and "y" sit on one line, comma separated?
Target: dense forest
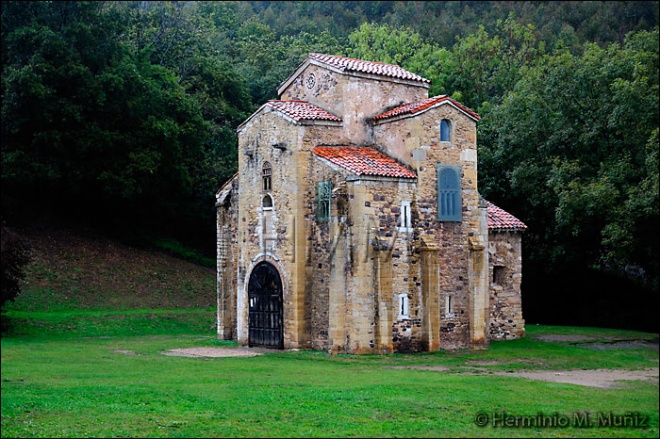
{"x": 122, "y": 116}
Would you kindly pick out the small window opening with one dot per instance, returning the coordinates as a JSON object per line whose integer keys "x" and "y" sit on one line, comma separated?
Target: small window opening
{"x": 267, "y": 202}
{"x": 404, "y": 311}
{"x": 498, "y": 275}
{"x": 406, "y": 219}
{"x": 449, "y": 306}
{"x": 445, "y": 131}
{"x": 266, "y": 175}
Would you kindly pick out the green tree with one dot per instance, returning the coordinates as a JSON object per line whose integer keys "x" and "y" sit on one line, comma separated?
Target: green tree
{"x": 89, "y": 127}
{"x": 577, "y": 140}
{"x": 488, "y": 65}
{"x": 403, "y": 47}
{"x": 193, "y": 41}
{"x": 266, "y": 60}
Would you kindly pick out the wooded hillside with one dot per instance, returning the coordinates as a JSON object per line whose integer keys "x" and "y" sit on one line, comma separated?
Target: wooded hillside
{"x": 121, "y": 115}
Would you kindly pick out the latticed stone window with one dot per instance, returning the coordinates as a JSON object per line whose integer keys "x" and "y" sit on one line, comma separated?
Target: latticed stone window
{"x": 310, "y": 81}
{"x": 266, "y": 175}
{"x": 323, "y": 198}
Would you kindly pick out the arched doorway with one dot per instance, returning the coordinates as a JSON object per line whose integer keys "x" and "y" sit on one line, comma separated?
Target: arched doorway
{"x": 265, "y": 307}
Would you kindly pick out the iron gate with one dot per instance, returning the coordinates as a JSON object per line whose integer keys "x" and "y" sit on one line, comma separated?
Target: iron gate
{"x": 265, "y": 307}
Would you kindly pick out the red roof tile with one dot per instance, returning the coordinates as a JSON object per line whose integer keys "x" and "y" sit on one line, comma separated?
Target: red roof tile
{"x": 363, "y": 161}
{"x": 499, "y": 219}
{"x": 302, "y": 110}
{"x": 416, "y": 107}
{"x": 375, "y": 68}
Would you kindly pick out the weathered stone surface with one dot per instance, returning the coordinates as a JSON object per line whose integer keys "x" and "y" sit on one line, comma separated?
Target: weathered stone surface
{"x": 363, "y": 281}
{"x": 506, "y": 319}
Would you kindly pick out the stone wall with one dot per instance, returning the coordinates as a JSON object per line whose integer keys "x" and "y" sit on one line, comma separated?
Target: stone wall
{"x": 227, "y": 252}
{"x": 280, "y": 234}
{"x": 416, "y": 142}
{"x": 326, "y": 258}
{"x": 364, "y": 282}
{"x": 350, "y": 97}
{"x": 505, "y": 301}
{"x": 382, "y": 262}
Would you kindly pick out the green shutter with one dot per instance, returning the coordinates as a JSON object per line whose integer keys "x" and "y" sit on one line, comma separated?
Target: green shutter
{"x": 450, "y": 203}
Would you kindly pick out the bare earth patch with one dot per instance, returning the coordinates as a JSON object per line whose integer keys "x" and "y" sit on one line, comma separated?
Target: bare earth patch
{"x": 601, "y": 342}
{"x": 603, "y": 378}
{"x": 126, "y": 352}
{"x": 434, "y": 368}
{"x": 215, "y": 352}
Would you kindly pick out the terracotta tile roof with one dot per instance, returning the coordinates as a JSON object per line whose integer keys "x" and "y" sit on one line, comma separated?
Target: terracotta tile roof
{"x": 416, "y": 107}
{"x": 375, "y": 68}
{"x": 363, "y": 161}
{"x": 302, "y": 110}
{"x": 499, "y": 219}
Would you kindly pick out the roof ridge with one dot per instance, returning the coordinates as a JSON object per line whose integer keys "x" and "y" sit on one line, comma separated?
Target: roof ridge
{"x": 345, "y": 63}
{"x": 353, "y": 59}
{"x": 363, "y": 160}
{"x": 500, "y": 219}
{"x": 418, "y": 106}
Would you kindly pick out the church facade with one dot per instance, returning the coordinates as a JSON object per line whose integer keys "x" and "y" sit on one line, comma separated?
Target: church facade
{"x": 354, "y": 223}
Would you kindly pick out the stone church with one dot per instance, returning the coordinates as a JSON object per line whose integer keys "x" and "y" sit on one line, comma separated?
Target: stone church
{"x": 354, "y": 223}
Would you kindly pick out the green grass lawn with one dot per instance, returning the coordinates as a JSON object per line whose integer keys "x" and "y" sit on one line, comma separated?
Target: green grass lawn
{"x": 121, "y": 385}
{"x": 82, "y": 356}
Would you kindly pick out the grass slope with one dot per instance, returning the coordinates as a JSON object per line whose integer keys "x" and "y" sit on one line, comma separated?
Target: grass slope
{"x": 82, "y": 282}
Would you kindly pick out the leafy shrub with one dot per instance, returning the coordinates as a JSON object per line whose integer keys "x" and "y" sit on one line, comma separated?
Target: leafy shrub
{"x": 15, "y": 255}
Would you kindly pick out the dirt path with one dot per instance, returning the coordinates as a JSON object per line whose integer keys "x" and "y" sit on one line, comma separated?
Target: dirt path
{"x": 215, "y": 352}
{"x": 603, "y": 378}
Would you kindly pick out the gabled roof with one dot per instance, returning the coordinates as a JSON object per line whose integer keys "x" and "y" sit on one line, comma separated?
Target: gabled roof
{"x": 501, "y": 220}
{"x": 297, "y": 112}
{"x": 362, "y": 160}
{"x": 421, "y": 106}
{"x": 345, "y": 64}
{"x": 342, "y": 64}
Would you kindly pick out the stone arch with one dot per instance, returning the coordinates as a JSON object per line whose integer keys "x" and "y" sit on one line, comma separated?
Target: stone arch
{"x": 265, "y": 306}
